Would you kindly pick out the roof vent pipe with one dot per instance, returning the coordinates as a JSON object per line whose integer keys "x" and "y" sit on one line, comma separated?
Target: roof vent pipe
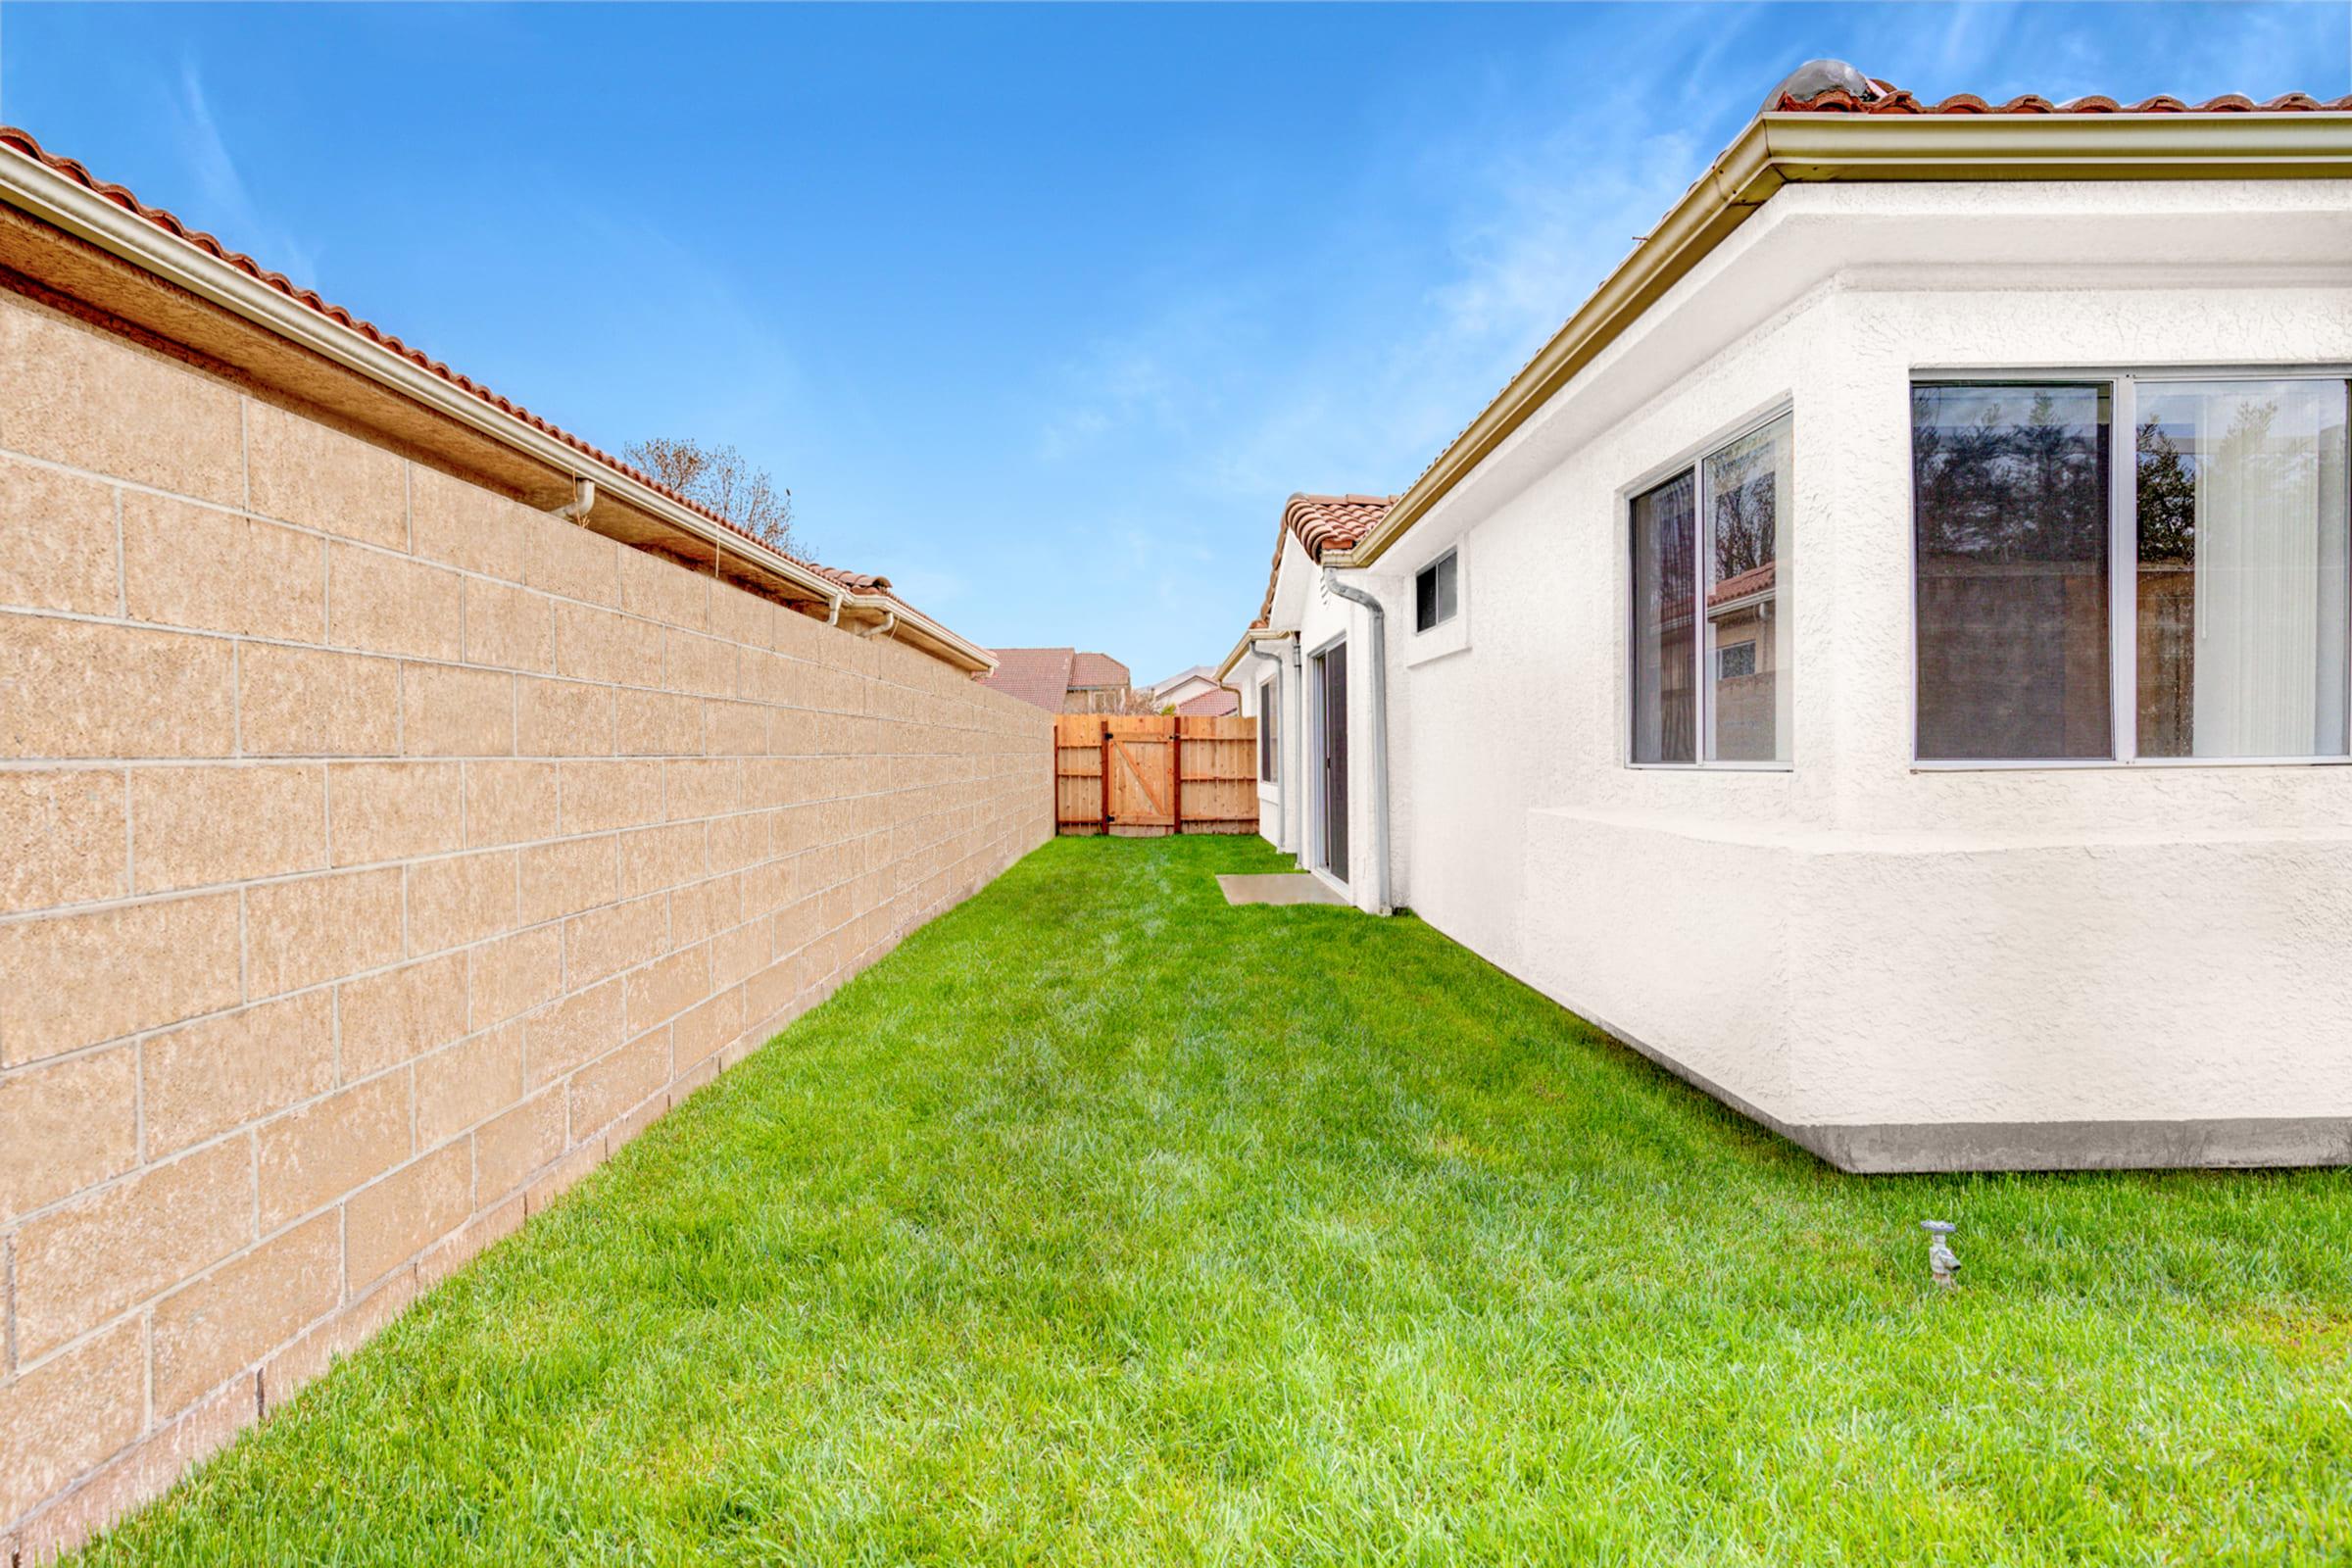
{"x": 583, "y": 496}
{"x": 1379, "y": 732}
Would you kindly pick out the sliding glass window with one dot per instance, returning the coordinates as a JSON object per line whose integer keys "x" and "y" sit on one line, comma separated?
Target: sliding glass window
{"x": 2241, "y": 585}
{"x": 2224, "y": 632}
{"x": 1665, "y": 696}
{"x": 2010, "y": 505}
{"x": 1710, "y": 655}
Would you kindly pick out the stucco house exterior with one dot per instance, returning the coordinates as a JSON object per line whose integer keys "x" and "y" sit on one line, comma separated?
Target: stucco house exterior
{"x": 1885, "y": 657}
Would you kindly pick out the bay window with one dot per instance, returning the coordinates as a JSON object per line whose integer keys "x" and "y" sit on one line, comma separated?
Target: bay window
{"x": 1710, "y": 656}
{"x": 2186, "y": 597}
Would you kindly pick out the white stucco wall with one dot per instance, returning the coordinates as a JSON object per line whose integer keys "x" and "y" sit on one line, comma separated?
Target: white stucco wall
{"x": 1857, "y": 949}
{"x": 1291, "y": 809}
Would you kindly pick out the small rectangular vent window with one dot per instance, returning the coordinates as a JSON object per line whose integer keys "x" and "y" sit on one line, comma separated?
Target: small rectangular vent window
{"x": 1437, "y": 593}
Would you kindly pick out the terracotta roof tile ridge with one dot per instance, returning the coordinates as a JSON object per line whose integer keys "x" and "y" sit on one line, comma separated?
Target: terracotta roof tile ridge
{"x": 1893, "y": 99}
{"x": 1896, "y": 101}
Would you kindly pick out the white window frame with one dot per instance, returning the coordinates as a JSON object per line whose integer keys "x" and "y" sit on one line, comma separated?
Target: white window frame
{"x": 1453, "y": 634}
{"x": 1313, "y": 853}
{"x": 1269, "y": 731}
{"x": 1450, "y": 553}
{"x": 1693, "y": 462}
{"x": 2122, "y": 554}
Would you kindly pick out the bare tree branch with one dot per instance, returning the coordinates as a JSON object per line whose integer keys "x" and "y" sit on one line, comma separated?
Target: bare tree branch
{"x": 719, "y": 477}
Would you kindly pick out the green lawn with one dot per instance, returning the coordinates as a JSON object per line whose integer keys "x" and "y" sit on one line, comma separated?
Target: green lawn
{"x": 1105, "y": 1223}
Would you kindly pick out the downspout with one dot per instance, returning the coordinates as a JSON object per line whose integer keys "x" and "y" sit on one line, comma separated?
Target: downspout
{"x": 583, "y": 496}
{"x": 834, "y": 619}
{"x": 883, "y": 629}
{"x": 1380, "y": 731}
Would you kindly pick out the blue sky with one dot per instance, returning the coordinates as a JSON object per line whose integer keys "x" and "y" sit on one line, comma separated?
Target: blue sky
{"x": 1040, "y": 311}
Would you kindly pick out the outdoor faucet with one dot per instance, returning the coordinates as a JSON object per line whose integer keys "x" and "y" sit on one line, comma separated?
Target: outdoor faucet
{"x": 1943, "y": 1263}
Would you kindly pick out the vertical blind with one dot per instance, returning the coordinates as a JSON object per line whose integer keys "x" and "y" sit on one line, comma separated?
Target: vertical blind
{"x": 2242, "y": 569}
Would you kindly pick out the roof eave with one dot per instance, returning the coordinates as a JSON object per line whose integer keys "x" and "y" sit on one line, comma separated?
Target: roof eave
{"x": 1240, "y": 650}
{"x": 44, "y": 194}
{"x": 1785, "y": 148}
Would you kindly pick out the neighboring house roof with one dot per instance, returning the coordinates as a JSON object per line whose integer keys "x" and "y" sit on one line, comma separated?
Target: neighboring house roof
{"x": 1321, "y": 522}
{"x": 23, "y": 142}
{"x": 1097, "y": 669}
{"x": 1039, "y": 675}
{"x": 1754, "y": 580}
{"x": 1206, "y": 673}
{"x": 1211, "y": 705}
{"x": 1870, "y": 130}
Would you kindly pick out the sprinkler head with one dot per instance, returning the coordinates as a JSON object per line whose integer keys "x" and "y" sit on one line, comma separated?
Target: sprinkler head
{"x": 1943, "y": 1263}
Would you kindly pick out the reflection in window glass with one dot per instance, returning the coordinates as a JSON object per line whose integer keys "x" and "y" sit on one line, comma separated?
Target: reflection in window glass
{"x": 1748, "y": 598}
{"x": 2010, "y": 507}
{"x": 2241, "y": 613}
{"x": 1665, "y": 684}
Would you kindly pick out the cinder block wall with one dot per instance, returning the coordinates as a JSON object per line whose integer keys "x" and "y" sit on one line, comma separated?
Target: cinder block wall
{"x": 376, "y": 855}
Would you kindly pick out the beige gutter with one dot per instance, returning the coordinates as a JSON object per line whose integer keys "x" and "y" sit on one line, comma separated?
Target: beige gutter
{"x": 1781, "y": 149}
{"x": 1240, "y": 650}
{"x": 45, "y": 195}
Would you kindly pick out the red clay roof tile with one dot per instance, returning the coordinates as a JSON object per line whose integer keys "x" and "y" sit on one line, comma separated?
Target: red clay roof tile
{"x": 1893, "y": 99}
{"x": 1321, "y": 522}
{"x": 1099, "y": 669}
{"x": 1038, "y": 676}
{"x": 1896, "y": 101}
{"x": 1211, "y": 705}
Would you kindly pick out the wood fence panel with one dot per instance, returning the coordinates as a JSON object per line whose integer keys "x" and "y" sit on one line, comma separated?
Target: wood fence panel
{"x": 1078, "y": 752}
{"x": 1218, "y": 770}
{"x": 1148, "y": 775}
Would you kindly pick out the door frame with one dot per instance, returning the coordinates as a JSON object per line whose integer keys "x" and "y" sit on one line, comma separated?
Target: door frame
{"x": 1315, "y": 803}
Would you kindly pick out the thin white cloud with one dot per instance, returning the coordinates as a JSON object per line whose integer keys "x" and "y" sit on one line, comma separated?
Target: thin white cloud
{"x": 1535, "y": 204}
{"x": 236, "y": 216}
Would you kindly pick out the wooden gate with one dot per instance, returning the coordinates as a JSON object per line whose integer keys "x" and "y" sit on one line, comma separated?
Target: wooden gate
{"x": 1145, "y": 776}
